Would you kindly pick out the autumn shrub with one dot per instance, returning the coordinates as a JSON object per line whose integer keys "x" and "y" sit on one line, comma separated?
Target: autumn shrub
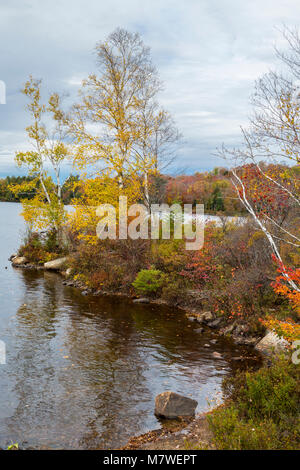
{"x": 262, "y": 411}
{"x": 174, "y": 288}
{"x": 110, "y": 265}
{"x": 169, "y": 255}
{"x": 148, "y": 281}
{"x": 39, "y": 248}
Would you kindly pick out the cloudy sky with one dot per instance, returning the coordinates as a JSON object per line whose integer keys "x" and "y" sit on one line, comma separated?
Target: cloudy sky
{"x": 208, "y": 53}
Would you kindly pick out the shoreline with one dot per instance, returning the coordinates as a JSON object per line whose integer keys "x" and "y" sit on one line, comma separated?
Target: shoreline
{"x": 236, "y": 330}
{"x": 182, "y": 434}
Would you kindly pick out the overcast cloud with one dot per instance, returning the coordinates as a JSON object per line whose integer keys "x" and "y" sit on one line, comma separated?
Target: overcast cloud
{"x": 208, "y": 53}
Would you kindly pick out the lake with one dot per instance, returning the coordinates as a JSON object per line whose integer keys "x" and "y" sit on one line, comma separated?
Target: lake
{"x": 83, "y": 371}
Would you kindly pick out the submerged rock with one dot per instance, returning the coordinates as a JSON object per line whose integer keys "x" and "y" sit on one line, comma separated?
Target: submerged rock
{"x": 142, "y": 300}
{"x": 199, "y": 330}
{"x": 217, "y": 355}
{"x": 172, "y": 405}
{"x": 55, "y": 264}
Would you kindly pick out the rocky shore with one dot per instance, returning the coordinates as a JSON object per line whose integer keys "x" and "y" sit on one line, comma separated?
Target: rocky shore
{"x": 239, "y": 330}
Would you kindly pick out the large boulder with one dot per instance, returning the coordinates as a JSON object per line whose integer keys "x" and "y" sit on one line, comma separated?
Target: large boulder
{"x": 19, "y": 260}
{"x": 271, "y": 343}
{"x": 55, "y": 264}
{"x": 171, "y": 405}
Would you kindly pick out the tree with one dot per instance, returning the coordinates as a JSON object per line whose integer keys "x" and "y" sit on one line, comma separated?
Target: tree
{"x": 45, "y": 210}
{"x": 118, "y": 127}
{"x": 272, "y": 196}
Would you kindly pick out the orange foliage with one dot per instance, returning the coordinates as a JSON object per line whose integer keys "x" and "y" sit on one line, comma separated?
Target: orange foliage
{"x": 281, "y": 288}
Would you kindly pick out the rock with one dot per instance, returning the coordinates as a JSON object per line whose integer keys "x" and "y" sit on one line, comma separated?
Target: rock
{"x": 192, "y": 318}
{"x": 247, "y": 341}
{"x": 207, "y": 345}
{"x": 68, "y": 272}
{"x": 142, "y": 300}
{"x": 55, "y": 264}
{"x": 206, "y": 317}
{"x": 12, "y": 256}
{"x": 199, "y": 330}
{"x": 271, "y": 343}
{"x": 172, "y": 405}
{"x": 213, "y": 341}
{"x": 241, "y": 330}
{"x": 227, "y": 330}
{"x": 217, "y": 355}
{"x": 19, "y": 260}
{"x": 215, "y": 323}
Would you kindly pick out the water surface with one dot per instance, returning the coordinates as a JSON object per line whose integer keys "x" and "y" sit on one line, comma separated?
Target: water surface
{"x": 83, "y": 371}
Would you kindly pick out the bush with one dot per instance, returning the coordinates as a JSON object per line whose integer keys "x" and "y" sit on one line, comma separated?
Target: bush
{"x": 148, "y": 281}
{"x": 263, "y": 411}
{"x": 39, "y": 248}
{"x": 174, "y": 288}
{"x": 109, "y": 265}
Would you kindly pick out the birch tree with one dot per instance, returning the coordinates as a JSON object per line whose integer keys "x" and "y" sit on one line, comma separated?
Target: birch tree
{"x": 47, "y": 134}
{"x": 272, "y": 137}
{"x": 117, "y": 119}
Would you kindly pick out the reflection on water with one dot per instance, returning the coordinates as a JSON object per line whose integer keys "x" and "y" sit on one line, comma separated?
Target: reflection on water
{"x": 83, "y": 371}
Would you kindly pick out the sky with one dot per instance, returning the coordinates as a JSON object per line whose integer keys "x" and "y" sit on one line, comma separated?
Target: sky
{"x": 208, "y": 54}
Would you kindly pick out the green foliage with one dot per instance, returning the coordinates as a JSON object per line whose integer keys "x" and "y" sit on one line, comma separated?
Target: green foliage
{"x": 6, "y": 193}
{"x": 263, "y": 411}
{"x": 232, "y": 433}
{"x": 148, "y": 281}
{"x": 174, "y": 288}
{"x": 215, "y": 202}
{"x": 13, "y": 446}
{"x": 273, "y": 392}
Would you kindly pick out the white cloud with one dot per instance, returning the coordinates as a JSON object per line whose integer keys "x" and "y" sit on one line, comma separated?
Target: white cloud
{"x": 208, "y": 53}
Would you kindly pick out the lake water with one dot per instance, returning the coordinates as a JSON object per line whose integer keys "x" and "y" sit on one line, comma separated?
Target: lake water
{"x": 83, "y": 371}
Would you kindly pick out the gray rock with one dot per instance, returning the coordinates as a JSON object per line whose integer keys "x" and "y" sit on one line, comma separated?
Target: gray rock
{"x": 143, "y": 300}
{"x": 192, "y": 318}
{"x": 244, "y": 340}
{"x": 241, "y": 330}
{"x": 271, "y": 343}
{"x": 172, "y": 405}
{"x": 55, "y": 264}
{"x": 12, "y": 256}
{"x": 199, "y": 330}
{"x": 19, "y": 260}
{"x": 227, "y": 329}
{"x": 215, "y": 323}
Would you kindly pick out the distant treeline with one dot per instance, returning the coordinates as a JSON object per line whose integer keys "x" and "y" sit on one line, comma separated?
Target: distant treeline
{"x": 213, "y": 189}
{"x": 6, "y": 195}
